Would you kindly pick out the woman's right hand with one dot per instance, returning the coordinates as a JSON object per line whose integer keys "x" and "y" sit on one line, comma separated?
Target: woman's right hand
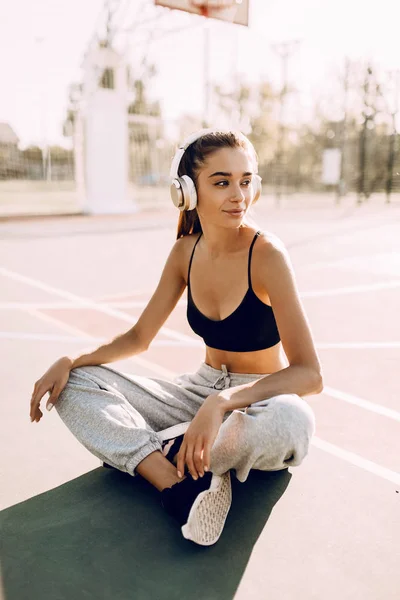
{"x": 53, "y": 381}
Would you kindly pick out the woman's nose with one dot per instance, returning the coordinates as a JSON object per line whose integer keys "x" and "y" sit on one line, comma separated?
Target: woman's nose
{"x": 238, "y": 194}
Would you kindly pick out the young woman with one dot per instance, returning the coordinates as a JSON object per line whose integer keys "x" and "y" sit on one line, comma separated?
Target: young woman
{"x": 243, "y": 408}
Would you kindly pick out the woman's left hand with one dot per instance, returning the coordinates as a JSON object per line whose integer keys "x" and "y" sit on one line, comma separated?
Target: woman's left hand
{"x": 199, "y": 438}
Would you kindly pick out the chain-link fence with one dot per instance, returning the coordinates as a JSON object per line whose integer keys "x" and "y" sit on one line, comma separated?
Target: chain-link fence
{"x": 35, "y": 181}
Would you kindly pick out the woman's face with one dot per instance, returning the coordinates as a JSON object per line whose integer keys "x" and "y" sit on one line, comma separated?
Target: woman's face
{"x": 224, "y": 187}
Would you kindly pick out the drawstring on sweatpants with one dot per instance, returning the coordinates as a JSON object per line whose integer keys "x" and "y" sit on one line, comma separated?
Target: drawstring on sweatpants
{"x": 223, "y": 380}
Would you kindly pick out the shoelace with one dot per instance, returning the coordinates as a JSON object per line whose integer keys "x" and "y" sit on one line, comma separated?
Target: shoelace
{"x": 223, "y": 379}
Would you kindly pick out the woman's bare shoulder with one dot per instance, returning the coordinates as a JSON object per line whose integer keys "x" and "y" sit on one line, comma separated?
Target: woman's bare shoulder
{"x": 270, "y": 244}
{"x": 185, "y": 244}
{"x": 269, "y": 257}
{"x": 183, "y": 248}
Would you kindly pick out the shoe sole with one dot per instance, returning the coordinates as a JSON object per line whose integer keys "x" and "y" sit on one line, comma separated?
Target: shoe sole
{"x": 209, "y": 511}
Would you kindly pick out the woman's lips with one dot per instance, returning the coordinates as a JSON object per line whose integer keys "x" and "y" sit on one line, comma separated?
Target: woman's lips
{"x": 234, "y": 213}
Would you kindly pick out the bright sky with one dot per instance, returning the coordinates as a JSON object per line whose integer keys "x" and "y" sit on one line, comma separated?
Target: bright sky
{"x": 42, "y": 45}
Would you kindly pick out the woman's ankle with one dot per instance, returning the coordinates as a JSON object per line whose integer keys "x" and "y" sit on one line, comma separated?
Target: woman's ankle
{"x": 172, "y": 482}
{"x": 158, "y": 471}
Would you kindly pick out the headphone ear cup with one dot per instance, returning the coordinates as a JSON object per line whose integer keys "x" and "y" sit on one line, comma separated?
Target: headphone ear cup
{"x": 183, "y": 193}
{"x": 177, "y": 194}
{"x": 257, "y": 188}
{"x": 190, "y": 194}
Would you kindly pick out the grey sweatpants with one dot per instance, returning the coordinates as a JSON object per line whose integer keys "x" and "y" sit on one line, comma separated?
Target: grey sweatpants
{"x": 123, "y": 418}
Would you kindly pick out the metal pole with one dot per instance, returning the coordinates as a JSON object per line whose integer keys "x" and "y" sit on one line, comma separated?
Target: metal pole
{"x": 284, "y": 51}
{"x": 48, "y": 174}
{"x": 342, "y": 181}
{"x": 363, "y": 138}
{"x": 206, "y": 49}
{"x": 43, "y": 144}
{"x": 392, "y": 139}
{"x": 236, "y": 78}
{"x": 281, "y": 138}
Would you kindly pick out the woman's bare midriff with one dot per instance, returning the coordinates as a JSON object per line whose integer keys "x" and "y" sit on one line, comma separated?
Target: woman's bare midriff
{"x": 265, "y": 361}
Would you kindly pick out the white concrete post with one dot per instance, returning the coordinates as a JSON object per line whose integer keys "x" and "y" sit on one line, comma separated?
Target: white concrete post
{"x": 105, "y": 120}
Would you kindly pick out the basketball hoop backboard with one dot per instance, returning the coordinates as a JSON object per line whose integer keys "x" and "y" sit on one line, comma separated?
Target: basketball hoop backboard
{"x": 233, "y": 11}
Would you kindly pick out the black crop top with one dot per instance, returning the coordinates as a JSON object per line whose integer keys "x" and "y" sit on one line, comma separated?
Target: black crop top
{"x": 250, "y": 327}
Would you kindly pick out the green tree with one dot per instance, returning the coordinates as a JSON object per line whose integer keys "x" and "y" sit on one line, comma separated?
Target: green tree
{"x": 254, "y": 109}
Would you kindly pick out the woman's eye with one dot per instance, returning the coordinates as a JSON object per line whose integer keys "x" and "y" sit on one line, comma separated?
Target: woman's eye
{"x": 225, "y": 183}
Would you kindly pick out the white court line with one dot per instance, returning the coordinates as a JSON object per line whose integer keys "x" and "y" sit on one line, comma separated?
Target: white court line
{"x": 353, "y": 289}
{"x": 356, "y": 345}
{"x": 365, "y": 404}
{"x": 77, "y": 338}
{"x": 86, "y": 302}
{"x": 73, "y": 305}
{"x": 46, "y": 337}
{"x": 328, "y": 391}
{"x": 48, "y": 319}
{"x": 163, "y": 372}
{"x": 356, "y": 460}
{"x": 373, "y": 262}
{"x": 194, "y": 341}
{"x": 108, "y": 297}
{"x": 318, "y": 345}
{"x": 158, "y": 369}
{"x": 36, "y": 305}
{"x": 143, "y": 303}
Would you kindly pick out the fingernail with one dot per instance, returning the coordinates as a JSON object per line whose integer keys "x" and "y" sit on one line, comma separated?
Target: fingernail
{"x": 50, "y": 406}
{"x": 179, "y": 474}
{"x": 206, "y": 469}
{"x": 195, "y": 477}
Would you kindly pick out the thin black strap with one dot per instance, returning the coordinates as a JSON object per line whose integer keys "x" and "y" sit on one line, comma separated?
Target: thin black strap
{"x": 191, "y": 258}
{"x": 250, "y": 253}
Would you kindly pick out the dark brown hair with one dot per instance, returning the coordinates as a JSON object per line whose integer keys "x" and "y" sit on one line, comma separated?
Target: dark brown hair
{"x": 193, "y": 160}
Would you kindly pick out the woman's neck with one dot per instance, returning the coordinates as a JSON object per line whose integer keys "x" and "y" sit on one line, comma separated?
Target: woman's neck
{"x": 220, "y": 241}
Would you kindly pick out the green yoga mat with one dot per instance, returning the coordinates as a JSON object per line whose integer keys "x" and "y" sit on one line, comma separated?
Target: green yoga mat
{"x": 105, "y": 536}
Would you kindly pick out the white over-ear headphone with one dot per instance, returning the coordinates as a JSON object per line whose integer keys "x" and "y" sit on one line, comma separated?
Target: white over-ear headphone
{"x": 183, "y": 189}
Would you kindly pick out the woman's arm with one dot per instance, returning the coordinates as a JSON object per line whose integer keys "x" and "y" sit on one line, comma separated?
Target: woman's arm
{"x": 303, "y": 375}
{"x": 160, "y": 306}
{"x": 137, "y": 339}
{"x": 122, "y": 346}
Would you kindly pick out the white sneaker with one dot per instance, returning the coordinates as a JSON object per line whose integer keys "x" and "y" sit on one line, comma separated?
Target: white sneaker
{"x": 201, "y": 506}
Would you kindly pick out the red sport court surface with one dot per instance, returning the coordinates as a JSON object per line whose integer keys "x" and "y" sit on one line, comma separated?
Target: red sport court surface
{"x": 68, "y": 283}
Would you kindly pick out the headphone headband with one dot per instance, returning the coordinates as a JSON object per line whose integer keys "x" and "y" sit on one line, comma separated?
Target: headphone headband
{"x": 181, "y": 150}
{"x": 189, "y": 140}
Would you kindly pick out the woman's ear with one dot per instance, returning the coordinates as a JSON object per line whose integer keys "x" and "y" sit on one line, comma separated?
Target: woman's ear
{"x": 256, "y": 188}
